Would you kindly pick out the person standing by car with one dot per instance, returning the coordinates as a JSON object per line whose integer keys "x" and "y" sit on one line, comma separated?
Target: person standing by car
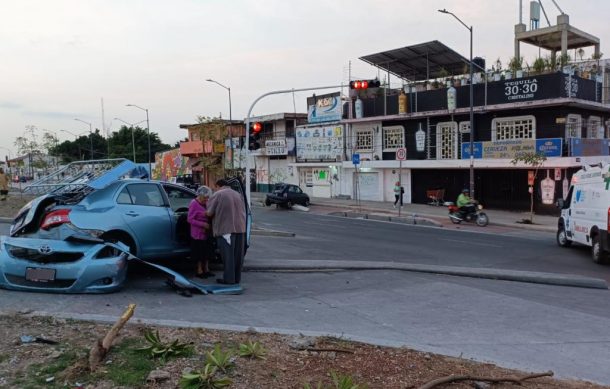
{"x": 201, "y": 239}
{"x": 3, "y": 185}
{"x": 228, "y": 214}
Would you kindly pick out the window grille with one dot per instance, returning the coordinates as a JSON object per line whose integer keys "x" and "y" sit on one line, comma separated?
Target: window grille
{"x": 446, "y": 140}
{"x": 595, "y": 129}
{"x": 393, "y": 138}
{"x": 364, "y": 140}
{"x": 518, "y": 127}
{"x": 573, "y": 126}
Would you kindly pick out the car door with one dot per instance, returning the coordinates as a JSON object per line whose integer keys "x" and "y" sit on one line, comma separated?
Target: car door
{"x": 145, "y": 211}
{"x": 300, "y": 196}
{"x": 179, "y": 201}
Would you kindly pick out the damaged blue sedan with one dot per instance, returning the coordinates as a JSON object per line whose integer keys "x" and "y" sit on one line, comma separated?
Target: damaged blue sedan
{"x": 78, "y": 236}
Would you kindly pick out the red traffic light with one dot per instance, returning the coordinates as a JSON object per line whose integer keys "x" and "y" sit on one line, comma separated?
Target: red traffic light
{"x": 257, "y": 127}
{"x": 364, "y": 84}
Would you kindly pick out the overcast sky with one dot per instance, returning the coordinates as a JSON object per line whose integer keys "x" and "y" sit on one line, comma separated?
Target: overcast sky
{"x": 59, "y": 58}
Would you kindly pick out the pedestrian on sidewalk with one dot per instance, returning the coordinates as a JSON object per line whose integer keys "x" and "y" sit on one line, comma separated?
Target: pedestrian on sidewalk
{"x": 3, "y": 185}
{"x": 202, "y": 249}
{"x": 398, "y": 192}
{"x": 226, "y": 207}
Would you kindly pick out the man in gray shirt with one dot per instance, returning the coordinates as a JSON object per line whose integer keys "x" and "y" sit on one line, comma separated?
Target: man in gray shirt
{"x": 226, "y": 208}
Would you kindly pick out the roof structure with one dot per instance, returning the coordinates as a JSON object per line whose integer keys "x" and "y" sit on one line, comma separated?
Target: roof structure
{"x": 419, "y": 62}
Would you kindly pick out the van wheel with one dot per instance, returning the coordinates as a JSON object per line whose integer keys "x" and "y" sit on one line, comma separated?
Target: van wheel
{"x": 268, "y": 202}
{"x": 562, "y": 238}
{"x": 598, "y": 255}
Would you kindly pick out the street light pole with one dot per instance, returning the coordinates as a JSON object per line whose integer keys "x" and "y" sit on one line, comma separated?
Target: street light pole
{"x": 90, "y": 137}
{"x": 133, "y": 143}
{"x": 230, "y": 121}
{"x": 148, "y": 133}
{"x": 471, "y": 104}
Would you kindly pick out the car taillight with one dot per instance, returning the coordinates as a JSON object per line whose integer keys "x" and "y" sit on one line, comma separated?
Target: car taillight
{"x": 55, "y": 218}
{"x": 608, "y": 221}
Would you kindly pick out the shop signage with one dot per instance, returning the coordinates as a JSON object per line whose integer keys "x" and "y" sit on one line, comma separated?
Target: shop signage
{"x": 420, "y": 140}
{"x": 557, "y": 174}
{"x": 547, "y": 187}
{"x": 530, "y": 177}
{"x": 275, "y": 147}
{"x": 319, "y": 144}
{"x": 509, "y": 149}
{"x": 219, "y": 148}
{"x": 324, "y": 108}
{"x": 580, "y": 147}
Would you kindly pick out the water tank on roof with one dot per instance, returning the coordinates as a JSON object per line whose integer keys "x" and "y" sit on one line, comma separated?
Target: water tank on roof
{"x": 534, "y": 15}
{"x": 479, "y": 64}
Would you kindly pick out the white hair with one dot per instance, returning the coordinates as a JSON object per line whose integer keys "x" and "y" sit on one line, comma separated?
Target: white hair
{"x": 204, "y": 191}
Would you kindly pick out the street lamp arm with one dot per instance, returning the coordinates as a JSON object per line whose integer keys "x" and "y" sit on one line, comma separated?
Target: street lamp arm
{"x": 218, "y": 83}
{"x": 444, "y": 11}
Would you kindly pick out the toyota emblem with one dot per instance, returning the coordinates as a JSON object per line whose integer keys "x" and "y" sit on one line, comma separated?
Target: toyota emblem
{"x": 45, "y": 249}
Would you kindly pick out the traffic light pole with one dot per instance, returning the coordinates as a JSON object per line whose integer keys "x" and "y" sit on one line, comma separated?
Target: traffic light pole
{"x": 247, "y": 177}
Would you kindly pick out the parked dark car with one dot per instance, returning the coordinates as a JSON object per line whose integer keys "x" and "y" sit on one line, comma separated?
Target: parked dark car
{"x": 286, "y": 195}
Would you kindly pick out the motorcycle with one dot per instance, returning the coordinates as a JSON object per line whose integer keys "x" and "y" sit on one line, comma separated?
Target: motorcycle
{"x": 476, "y": 215}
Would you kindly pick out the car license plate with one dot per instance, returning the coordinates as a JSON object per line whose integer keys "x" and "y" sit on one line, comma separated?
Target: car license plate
{"x": 39, "y": 274}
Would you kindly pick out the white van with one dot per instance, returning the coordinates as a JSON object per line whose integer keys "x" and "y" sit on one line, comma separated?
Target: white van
{"x": 585, "y": 213}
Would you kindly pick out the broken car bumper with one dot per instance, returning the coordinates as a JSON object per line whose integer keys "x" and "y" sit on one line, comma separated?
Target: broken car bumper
{"x": 44, "y": 265}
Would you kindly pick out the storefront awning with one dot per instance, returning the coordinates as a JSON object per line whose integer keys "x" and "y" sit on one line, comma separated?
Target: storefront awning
{"x": 419, "y": 62}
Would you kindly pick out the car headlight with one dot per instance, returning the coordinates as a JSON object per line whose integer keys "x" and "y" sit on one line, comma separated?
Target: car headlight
{"x": 480, "y": 207}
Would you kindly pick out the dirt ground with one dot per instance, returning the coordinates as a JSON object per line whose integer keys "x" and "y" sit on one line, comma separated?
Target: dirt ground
{"x": 291, "y": 362}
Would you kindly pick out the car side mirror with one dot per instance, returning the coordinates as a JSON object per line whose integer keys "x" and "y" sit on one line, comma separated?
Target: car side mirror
{"x": 560, "y": 203}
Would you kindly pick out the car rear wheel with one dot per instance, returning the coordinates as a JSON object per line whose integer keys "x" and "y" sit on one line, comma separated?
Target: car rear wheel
{"x": 268, "y": 202}
{"x": 597, "y": 253}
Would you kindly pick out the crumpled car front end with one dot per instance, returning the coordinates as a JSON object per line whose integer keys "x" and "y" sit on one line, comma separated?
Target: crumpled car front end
{"x": 62, "y": 266}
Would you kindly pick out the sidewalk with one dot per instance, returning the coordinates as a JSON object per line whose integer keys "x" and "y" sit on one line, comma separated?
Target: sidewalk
{"x": 435, "y": 213}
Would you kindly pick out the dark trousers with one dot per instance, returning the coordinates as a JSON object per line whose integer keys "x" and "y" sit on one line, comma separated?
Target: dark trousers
{"x": 232, "y": 257}
{"x": 397, "y": 197}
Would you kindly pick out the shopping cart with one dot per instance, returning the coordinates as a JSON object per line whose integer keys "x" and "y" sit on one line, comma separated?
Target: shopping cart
{"x": 436, "y": 196}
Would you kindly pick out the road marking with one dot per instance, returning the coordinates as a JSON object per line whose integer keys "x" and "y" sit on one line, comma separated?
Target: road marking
{"x": 471, "y": 243}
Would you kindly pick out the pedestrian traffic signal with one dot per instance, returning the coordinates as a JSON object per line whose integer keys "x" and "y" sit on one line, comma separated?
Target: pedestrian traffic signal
{"x": 255, "y": 136}
{"x": 364, "y": 84}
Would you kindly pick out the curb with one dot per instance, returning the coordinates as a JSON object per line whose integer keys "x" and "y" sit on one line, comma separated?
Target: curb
{"x": 6, "y": 219}
{"x": 485, "y": 273}
{"x": 413, "y": 219}
{"x": 426, "y": 216}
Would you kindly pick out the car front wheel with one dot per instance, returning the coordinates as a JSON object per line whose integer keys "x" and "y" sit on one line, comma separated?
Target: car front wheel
{"x": 307, "y": 203}
{"x": 562, "y": 238}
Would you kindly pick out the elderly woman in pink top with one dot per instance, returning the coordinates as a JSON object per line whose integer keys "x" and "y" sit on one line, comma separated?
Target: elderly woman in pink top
{"x": 202, "y": 249}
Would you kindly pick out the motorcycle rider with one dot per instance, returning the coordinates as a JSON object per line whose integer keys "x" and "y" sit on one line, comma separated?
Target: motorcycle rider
{"x": 465, "y": 203}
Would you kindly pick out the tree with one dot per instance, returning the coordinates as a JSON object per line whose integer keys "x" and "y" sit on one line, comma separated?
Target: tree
{"x": 535, "y": 160}
{"x": 121, "y": 145}
{"x": 212, "y": 130}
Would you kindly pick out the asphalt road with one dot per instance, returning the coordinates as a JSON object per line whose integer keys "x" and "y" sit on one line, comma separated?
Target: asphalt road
{"x": 339, "y": 238}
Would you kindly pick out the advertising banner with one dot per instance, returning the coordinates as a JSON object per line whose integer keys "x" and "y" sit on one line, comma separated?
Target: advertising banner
{"x": 509, "y": 149}
{"x": 319, "y": 144}
{"x": 588, "y": 147}
{"x": 324, "y": 108}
